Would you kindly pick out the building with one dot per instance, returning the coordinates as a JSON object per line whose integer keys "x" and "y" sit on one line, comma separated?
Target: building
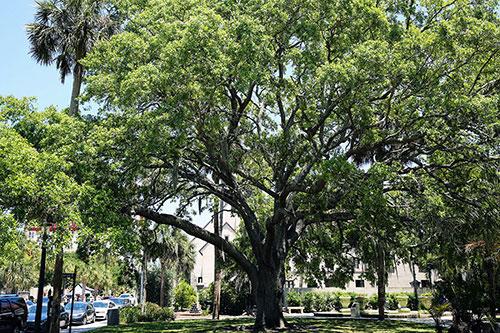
{"x": 400, "y": 277}
{"x": 203, "y": 272}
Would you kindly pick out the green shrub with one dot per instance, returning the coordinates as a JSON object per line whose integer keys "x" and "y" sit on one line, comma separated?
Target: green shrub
{"x": 185, "y": 295}
{"x": 153, "y": 313}
{"x": 205, "y": 298}
{"x": 309, "y": 300}
{"x": 233, "y": 300}
{"x": 130, "y": 314}
{"x": 294, "y": 298}
{"x": 372, "y": 302}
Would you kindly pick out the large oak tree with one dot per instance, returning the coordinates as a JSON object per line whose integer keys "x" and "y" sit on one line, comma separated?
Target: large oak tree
{"x": 281, "y": 101}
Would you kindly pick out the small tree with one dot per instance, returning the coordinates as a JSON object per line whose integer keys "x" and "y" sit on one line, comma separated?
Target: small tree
{"x": 185, "y": 295}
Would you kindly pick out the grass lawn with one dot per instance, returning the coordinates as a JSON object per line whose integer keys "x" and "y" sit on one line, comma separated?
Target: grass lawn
{"x": 306, "y": 325}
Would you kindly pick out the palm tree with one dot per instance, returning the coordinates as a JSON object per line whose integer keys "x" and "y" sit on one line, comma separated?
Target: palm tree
{"x": 65, "y": 31}
{"x": 172, "y": 247}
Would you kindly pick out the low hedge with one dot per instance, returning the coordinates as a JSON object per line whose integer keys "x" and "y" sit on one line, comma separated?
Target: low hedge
{"x": 153, "y": 313}
{"x": 329, "y": 301}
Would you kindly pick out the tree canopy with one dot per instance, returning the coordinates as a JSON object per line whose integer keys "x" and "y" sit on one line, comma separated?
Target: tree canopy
{"x": 284, "y": 102}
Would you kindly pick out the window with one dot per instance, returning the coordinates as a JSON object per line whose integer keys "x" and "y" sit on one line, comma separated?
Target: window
{"x": 4, "y": 304}
{"x": 200, "y": 279}
{"x": 226, "y": 238}
{"x": 425, "y": 283}
{"x": 360, "y": 283}
{"x": 356, "y": 263}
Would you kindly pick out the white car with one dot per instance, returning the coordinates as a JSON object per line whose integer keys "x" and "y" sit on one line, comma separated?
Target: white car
{"x": 130, "y": 297}
{"x": 101, "y": 309}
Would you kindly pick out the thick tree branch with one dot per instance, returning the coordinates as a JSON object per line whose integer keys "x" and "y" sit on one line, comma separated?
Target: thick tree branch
{"x": 200, "y": 233}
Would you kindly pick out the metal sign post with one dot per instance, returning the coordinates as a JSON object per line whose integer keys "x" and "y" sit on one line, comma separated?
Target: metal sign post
{"x": 71, "y": 275}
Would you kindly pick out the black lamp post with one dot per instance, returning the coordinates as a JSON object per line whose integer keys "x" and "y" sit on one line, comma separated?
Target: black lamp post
{"x": 41, "y": 282}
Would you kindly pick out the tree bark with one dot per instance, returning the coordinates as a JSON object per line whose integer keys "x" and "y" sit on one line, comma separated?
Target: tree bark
{"x": 84, "y": 290}
{"x": 77, "y": 83}
{"x": 145, "y": 282}
{"x": 492, "y": 286}
{"x": 162, "y": 283}
{"x": 96, "y": 290}
{"x": 267, "y": 280}
{"x": 56, "y": 301}
{"x": 269, "y": 297}
{"x": 381, "y": 280}
{"x": 217, "y": 265}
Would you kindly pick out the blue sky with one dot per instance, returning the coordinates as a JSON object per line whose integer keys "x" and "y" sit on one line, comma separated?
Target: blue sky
{"x": 20, "y": 75}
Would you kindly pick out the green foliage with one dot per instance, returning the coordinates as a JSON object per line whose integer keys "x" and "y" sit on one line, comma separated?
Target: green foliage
{"x": 294, "y": 298}
{"x": 205, "y": 298}
{"x": 130, "y": 314}
{"x": 184, "y": 295}
{"x": 153, "y": 286}
{"x": 380, "y": 114}
{"x": 234, "y": 300}
{"x": 153, "y": 313}
{"x": 317, "y": 301}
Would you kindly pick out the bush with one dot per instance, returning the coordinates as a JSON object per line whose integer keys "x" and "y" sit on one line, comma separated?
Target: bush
{"x": 233, "y": 301}
{"x": 130, "y": 314}
{"x": 153, "y": 313}
{"x": 205, "y": 298}
{"x": 294, "y": 298}
{"x": 317, "y": 301}
{"x": 185, "y": 295}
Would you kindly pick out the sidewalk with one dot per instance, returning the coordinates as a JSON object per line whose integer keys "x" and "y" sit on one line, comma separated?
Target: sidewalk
{"x": 85, "y": 328}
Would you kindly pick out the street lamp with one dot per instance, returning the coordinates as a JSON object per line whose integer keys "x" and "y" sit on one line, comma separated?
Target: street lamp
{"x": 41, "y": 282}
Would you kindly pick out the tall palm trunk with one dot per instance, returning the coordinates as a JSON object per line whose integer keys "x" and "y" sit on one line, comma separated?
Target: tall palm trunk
{"x": 77, "y": 83}
{"x": 84, "y": 289}
{"x": 381, "y": 280}
{"x": 162, "y": 283}
{"x": 96, "y": 290}
{"x": 492, "y": 285}
{"x": 145, "y": 282}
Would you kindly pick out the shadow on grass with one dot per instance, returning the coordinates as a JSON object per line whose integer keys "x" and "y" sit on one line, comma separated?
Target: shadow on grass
{"x": 300, "y": 325}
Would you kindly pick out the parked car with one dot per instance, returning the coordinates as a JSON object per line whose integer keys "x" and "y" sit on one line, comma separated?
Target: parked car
{"x": 101, "y": 308}
{"x": 121, "y": 302}
{"x": 44, "y": 324}
{"x": 130, "y": 297}
{"x": 83, "y": 313}
{"x": 13, "y": 313}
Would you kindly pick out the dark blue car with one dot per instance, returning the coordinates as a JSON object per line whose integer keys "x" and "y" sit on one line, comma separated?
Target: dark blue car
{"x": 63, "y": 318}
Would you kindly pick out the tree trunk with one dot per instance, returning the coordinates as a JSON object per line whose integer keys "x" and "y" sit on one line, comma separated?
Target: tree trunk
{"x": 492, "y": 286}
{"x": 96, "y": 290}
{"x": 145, "y": 282}
{"x": 381, "y": 280}
{"x": 84, "y": 290}
{"x": 56, "y": 301}
{"x": 217, "y": 265}
{"x": 162, "y": 283}
{"x": 77, "y": 83}
{"x": 268, "y": 292}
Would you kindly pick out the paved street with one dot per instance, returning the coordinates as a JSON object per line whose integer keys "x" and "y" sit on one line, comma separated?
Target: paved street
{"x": 85, "y": 328}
